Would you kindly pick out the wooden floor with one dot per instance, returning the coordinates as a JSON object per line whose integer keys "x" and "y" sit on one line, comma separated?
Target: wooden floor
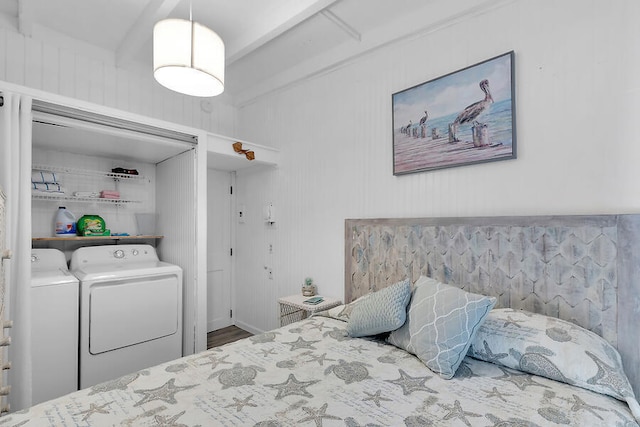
{"x": 225, "y": 336}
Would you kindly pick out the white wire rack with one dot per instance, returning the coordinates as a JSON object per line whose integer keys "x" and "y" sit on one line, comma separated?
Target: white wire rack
{"x": 119, "y": 177}
{"x": 58, "y": 198}
{"x": 89, "y": 172}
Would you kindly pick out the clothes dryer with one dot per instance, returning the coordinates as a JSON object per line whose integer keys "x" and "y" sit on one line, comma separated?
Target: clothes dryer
{"x": 54, "y": 325}
{"x": 130, "y": 310}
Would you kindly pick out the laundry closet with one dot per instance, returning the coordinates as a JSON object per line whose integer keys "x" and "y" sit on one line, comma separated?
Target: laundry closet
{"x": 147, "y": 180}
{"x": 130, "y": 189}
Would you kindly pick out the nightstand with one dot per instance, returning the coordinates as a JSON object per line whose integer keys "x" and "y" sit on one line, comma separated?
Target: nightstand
{"x": 292, "y": 308}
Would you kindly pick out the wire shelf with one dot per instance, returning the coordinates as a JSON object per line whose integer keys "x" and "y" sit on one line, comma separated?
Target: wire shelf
{"x": 89, "y": 172}
{"x": 61, "y": 198}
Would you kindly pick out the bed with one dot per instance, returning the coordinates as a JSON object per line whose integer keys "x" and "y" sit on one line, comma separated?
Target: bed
{"x": 542, "y": 339}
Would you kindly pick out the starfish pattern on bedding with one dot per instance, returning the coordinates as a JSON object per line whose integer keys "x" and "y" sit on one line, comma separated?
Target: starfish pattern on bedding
{"x": 376, "y": 398}
{"x": 165, "y": 392}
{"x": 520, "y": 380}
{"x": 215, "y": 360}
{"x": 292, "y": 387}
{"x": 169, "y": 421}
{"x": 241, "y": 403}
{"x": 456, "y": 411}
{"x": 359, "y": 348}
{"x": 608, "y": 376}
{"x": 301, "y": 343}
{"x": 488, "y": 355}
{"x": 410, "y": 384}
{"x": 510, "y": 321}
{"x": 319, "y": 326}
{"x": 579, "y": 404}
{"x": 496, "y": 393}
{"x": 320, "y": 359}
{"x": 317, "y": 415}
{"x": 94, "y": 409}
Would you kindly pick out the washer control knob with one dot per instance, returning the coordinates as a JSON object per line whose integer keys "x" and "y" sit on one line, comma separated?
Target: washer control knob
{"x": 118, "y": 253}
{"x": 134, "y": 252}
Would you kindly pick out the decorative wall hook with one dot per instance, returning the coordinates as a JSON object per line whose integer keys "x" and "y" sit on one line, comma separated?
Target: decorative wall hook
{"x": 237, "y": 147}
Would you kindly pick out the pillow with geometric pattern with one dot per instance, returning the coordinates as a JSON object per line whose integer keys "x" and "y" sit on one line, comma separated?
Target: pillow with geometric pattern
{"x": 555, "y": 349}
{"x": 441, "y": 322}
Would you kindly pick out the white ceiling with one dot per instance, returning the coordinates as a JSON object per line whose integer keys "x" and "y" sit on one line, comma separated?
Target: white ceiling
{"x": 269, "y": 43}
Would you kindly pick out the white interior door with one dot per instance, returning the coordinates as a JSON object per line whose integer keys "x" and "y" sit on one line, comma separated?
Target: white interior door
{"x": 218, "y": 250}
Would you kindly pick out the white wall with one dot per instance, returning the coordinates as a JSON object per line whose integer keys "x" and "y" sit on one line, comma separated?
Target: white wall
{"x": 69, "y": 67}
{"x": 578, "y": 91}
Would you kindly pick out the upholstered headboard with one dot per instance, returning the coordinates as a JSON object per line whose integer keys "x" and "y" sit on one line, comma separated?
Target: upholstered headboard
{"x": 584, "y": 269}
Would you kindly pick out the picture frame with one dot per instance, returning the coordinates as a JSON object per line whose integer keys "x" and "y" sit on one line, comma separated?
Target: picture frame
{"x": 462, "y": 118}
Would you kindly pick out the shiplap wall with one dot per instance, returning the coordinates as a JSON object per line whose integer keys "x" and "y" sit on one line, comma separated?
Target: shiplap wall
{"x": 88, "y": 73}
{"x": 578, "y": 93}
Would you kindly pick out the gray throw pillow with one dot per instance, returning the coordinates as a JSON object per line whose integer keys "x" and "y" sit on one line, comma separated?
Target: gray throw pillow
{"x": 381, "y": 311}
{"x": 441, "y": 323}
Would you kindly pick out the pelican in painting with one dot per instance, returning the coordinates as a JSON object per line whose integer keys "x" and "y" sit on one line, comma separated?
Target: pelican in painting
{"x": 471, "y": 113}
{"x": 408, "y": 127}
{"x": 424, "y": 118}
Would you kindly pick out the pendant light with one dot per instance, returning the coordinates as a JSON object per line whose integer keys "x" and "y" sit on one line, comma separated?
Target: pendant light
{"x": 188, "y": 57}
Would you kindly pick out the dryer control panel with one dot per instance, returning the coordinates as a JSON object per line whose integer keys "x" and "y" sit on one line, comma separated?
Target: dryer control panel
{"x": 133, "y": 252}
{"x": 121, "y": 254}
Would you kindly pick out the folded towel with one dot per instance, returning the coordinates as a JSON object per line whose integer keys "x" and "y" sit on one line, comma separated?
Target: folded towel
{"x": 110, "y": 194}
{"x": 47, "y": 187}
{"x": 44, "y": 177}
{"x": 87, "y": 194}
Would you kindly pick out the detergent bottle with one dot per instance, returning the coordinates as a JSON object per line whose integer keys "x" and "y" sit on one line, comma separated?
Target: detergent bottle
{"x": 65, "y": 223}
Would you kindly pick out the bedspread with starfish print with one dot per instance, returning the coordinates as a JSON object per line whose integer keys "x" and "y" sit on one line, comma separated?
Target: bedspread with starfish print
{"x": 311, "y": 374}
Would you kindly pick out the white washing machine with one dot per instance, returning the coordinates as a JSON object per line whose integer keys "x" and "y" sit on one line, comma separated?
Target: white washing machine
{"x": 54, "y": 321}
{"x": 130, "y": 310}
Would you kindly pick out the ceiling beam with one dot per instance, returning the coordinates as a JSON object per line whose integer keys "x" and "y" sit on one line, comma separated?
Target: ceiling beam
{"x": 253, "y": 42}
{"x": 25, "y": 17}
{"x": 341, "y": 24}
{"x": 142, "y": 29}
{"x": 398, "y": 31}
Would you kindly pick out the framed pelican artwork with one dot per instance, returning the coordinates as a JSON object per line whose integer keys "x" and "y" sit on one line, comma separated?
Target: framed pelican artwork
{"x": 463, "y": 118}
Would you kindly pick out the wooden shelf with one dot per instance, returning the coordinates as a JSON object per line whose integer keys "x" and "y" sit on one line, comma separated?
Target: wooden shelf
{"x": 85, "y": 238}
